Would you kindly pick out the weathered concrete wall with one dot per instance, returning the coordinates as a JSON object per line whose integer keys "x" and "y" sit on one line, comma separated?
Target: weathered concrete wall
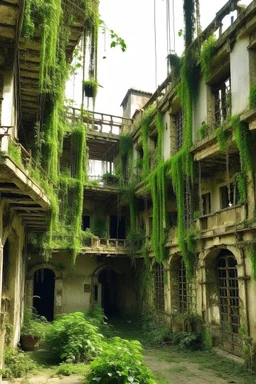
{"x": 166, "y": 145}
{"x": 72, "y": 280}
{"x": 239, "y": 71}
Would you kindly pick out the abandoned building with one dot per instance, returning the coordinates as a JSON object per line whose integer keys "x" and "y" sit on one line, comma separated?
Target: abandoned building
{"x": 154, "y": 210}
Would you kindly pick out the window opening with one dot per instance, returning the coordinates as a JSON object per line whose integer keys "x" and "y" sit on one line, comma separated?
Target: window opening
{"x": 222, "y": 102}
{"x": 206, "y": 203}
{"x": 158, "y": 271}
{"x": 229, "y": 195}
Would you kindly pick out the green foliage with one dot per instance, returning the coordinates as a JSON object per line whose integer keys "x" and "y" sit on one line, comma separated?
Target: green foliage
{"x": 99, "y": 228}
{"x": 157, "y": 181}
{"x": 222, "y": 139}
{"x": 73, "y": 338}
{"x": 14, "y": 152}
{"x": 67, "y": 369}
{"x": 252, "y": 96}
{"x": 145, "y": 126}
{"x": 33, "y": 324}
{"x": 189, "y": 19}
{"x": 242, "y": 187}
{"x": 109, "y": 178}
{"x": 207, "y": 53}
{"x": 125, "y": 144}
{"x": 153, "y": 333}
{"x": 17, "y": 363}
{"x": 252, "y": 256}
{"x": 90, "y": 88}
{"x": 135, "y": 240}
{"x": 120, "y": 362}
{"x": 244, "y": 143}
{"x": 203, "y": 130}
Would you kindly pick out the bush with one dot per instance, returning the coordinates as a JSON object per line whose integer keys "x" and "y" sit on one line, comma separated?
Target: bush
{"x": 72, "y": 338}
{"x": 67, "y": 369}
{"x": 120, "y": 362}
{"x": 17, "y": 364}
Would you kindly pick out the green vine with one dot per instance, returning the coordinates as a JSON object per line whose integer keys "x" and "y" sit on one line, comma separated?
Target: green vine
{"x": 252, "y": 256}
{"x": 243, "y": 141}
{"x": 252, "y": 96}
{"x": 207, "y": 53}
{"x": 145, "y": 127}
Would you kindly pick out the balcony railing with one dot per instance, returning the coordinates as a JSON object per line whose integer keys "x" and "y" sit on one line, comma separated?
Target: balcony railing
{"x": 98, "y": 122}
{"x": 222, "y": 221}
{"x": 22, "y": 158}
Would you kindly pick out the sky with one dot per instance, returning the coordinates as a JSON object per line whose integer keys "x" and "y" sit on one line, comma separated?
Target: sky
{"x": 142, "y": 24}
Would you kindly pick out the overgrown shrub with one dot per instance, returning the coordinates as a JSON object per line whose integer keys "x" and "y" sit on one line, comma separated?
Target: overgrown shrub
{"x": 152, "y": 332}
{"x": 73, "y": 338}
{"x": 17, "y": 364}
{"x": 120, "y": 362}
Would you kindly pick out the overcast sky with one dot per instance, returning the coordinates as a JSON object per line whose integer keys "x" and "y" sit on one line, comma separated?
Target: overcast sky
{"x": 133, "y": 20}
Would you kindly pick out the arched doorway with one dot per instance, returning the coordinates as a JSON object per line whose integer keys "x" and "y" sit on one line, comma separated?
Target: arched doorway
{"x": 43, "y": 292}
{"x": 229, "y": 301}
{"x": 108, "y": 281}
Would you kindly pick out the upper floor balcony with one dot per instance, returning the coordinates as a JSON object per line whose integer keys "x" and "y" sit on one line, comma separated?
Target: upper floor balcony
{"x": 21, "y": 182}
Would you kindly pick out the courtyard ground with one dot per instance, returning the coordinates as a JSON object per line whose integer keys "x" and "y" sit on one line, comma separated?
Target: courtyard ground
{"x": 169, "y": 365}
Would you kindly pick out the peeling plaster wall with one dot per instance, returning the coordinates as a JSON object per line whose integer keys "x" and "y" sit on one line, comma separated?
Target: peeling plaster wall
{"x": 239, "y": 70}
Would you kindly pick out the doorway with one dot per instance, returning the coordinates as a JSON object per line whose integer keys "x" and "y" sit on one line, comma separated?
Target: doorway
{"x": 229, "y": 301}
{"x": 117, "y": 227}
{"x": 108, "y": 281}
{"x": 43, "y": 293}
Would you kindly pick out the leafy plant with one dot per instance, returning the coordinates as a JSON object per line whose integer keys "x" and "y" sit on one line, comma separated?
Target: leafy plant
{"x": 120, "y": 362}
{"x": 203, "y": 130}
{"x": 207, "y": 53}
{"x": 109, "y": 178}
{"x": 90, "y": 88}
{"x": 34, "y": 324}
{"x": 17, "y": 363}
{"x": 73, "y": 338}
{"x": 99, "y": 228}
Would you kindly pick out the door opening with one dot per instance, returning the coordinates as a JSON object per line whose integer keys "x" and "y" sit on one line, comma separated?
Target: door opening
{"x": 43, "y": 294}
{"x": 108, "y": 281}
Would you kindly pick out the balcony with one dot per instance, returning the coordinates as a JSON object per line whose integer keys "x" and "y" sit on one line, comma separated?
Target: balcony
{"x": 20, "y": 183}
{"x": 221, "y": 222}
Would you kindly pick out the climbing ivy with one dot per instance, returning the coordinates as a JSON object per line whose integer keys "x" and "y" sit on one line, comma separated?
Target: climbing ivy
{"x": 145, "y": 127}
{"x": 252, "y": 256}
{"x": 244, "y": 143}
{"x": 207, "y": 53}
{"x": 54, "y": 27}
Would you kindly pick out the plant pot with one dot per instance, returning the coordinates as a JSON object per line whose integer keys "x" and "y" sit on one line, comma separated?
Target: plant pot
{"x": 29, "y": 343}
{"x": 88, "y": 91}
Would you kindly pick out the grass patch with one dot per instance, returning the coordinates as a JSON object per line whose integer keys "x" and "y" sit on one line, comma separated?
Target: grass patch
{"x": 67, "y": 369}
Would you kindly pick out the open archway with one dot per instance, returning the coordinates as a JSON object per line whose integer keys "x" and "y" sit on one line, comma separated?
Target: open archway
{"x": 108, "y": 280}
{"x": 43, "y": 292}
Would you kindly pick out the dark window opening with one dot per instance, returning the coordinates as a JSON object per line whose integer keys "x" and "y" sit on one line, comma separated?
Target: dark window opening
{"x": 117, "y": 227}
{"x": 86, "y": 222}
{"x": 172, "y": 219}
{"x": 179, "y": 130}
{"x": 222, "y": 96}
{"x": 158, "y": 271}
{"x": 43, "y": 295}
{"x": 229, "y": 195}
{"x": 6, "y": 265}
{"x": 95, "y": 293}
{"x": 206, "y": 203}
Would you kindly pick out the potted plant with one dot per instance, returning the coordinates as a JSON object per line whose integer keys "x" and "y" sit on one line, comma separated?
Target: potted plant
{"x": 90, "y": 88}
{"x": 33, "y": 330}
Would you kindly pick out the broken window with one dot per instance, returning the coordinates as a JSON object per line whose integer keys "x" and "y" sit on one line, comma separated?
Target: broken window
{"x": 222, "y": 96}
{"x": 158, "y": 271}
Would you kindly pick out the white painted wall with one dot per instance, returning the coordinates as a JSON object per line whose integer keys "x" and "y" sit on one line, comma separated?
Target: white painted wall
{"x": 239, "y": 70}
{"x": 8, "y": 110}
{"x": 199, "y": 109}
